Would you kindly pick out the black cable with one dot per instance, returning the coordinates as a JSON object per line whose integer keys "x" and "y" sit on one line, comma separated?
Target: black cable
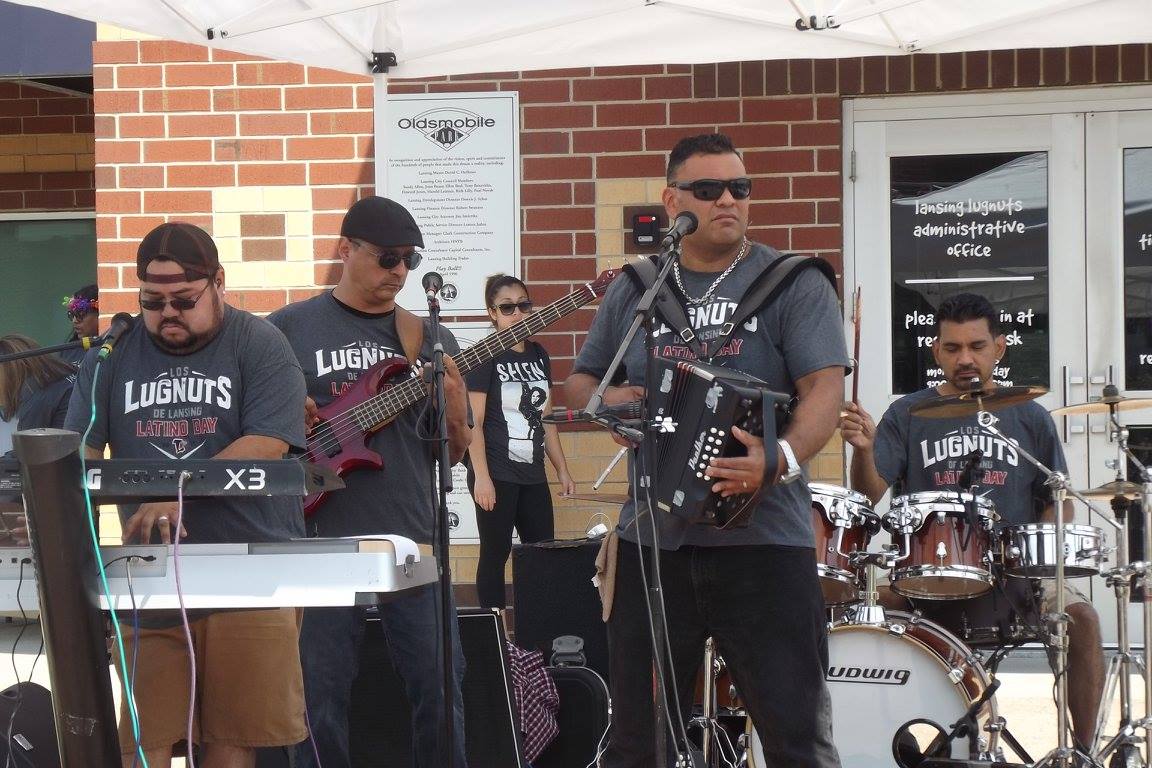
{"x": 19, "y": 687}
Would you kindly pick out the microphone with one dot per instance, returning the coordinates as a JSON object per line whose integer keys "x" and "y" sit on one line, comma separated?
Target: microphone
{"x": 122, "y": 322}
{"x": 432, "y": 283}
{"x": 570, "y": 415}
{"x": 969, "y": 468}
{"x": 684, "y": 224}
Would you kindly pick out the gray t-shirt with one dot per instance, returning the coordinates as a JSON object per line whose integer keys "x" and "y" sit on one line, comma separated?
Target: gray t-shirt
{"x": 795, "y": 335}
{"x": 335, "y": 344}
{"x": 154, "y": 405}
{"x": 928, "y": 454}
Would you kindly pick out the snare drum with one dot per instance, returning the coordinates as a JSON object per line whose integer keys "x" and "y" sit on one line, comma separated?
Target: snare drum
{"x": 843, "y": 522}
{"x": 943, "y": 555}
{"x": 1029, "y": 551}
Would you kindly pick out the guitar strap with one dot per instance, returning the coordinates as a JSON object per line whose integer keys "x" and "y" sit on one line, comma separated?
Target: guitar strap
{"x": 410, "y": 328}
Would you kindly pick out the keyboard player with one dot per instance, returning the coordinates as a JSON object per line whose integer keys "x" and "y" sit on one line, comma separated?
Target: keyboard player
{"x": 198, "y": 378}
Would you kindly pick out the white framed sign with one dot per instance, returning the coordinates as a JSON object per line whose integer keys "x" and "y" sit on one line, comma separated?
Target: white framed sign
{"x": 462, "y": 527}
{"x": 454, "y": 162}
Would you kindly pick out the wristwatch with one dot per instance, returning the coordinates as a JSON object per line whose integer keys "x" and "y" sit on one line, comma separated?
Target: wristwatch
{"x": 794, "y": 472}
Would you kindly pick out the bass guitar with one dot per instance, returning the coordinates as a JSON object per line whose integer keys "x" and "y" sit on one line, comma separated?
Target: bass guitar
{"x": 338, "y": 441}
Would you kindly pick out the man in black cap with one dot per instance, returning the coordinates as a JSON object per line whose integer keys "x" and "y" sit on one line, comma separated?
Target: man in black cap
{"x": 198, "y": 378}
{"x": 337, "y": 336}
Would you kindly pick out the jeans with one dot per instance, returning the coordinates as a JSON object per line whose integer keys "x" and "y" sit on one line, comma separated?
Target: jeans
{"x": 763, "y": 607}
{"x": 330, "y": 656}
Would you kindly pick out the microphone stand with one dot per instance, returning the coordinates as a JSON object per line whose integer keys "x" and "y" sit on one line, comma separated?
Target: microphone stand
{"x": 441, "y": 544}
{"x": 644, "y": 315}
{"x": 87, "y": 342}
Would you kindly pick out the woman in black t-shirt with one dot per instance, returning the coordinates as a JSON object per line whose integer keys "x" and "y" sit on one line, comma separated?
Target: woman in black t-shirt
{"x": 506, "y": 475}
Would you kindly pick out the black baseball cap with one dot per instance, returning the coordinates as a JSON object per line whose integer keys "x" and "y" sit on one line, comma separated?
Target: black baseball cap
{"x": 181, "y": 242}
{"x": 382, "y": 222}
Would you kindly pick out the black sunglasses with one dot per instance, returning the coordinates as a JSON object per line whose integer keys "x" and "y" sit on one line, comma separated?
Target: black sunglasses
{"x": 75, "y": 314}
{"x": 712, "y": 189}
{"x": 507, "y": 309}
{"x": 388, "y": 260}
{"x": 179, "y": 303}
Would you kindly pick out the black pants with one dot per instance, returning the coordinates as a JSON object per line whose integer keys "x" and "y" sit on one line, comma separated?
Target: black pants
{"x": 528, "y": 509}
{"x": 763, "y": 607}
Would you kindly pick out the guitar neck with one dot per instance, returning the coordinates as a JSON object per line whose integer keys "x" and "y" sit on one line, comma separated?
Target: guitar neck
{"x": 385, "y": 406}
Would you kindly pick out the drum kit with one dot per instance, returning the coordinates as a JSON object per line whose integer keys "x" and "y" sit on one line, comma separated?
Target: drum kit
{"x": 906, "y": 691}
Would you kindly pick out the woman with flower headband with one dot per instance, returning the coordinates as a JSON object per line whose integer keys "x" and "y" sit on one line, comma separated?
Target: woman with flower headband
{"x": 83, "y": 309}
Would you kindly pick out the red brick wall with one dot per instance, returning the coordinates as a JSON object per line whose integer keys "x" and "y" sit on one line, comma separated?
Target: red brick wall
{"x": 175, "y": 122}
{"x": 46, "y": 155}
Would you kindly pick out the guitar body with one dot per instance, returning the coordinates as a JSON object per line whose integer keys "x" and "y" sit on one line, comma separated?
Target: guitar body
{"x": 338, "y": 442}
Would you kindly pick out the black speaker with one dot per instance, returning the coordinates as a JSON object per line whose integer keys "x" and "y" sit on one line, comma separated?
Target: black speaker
{"x": 27, "y": 709}
{"x": 380, "y": 721}
{"x": 583, "y": 719}
{"x": 553, "y": 595}
{"x": 380, "y": 718}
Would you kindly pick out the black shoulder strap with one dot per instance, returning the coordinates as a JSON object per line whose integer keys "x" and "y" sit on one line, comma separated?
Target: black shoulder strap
{"x": 767, "y": 286}
{"x": 643, "y": 273}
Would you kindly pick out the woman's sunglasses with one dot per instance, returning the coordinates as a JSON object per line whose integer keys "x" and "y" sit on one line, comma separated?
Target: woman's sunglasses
{"x": 712, "y": 189}
{"x": 507, "y": 309}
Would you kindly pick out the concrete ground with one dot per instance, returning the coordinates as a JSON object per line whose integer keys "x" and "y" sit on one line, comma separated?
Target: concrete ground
{"x": 1024, "y": 698}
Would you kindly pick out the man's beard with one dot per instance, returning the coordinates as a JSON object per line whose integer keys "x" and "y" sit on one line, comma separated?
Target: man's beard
{"x": 194, "y": 341}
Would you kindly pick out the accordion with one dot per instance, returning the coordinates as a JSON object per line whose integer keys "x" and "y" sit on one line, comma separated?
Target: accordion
{"x": 693, "y": 407}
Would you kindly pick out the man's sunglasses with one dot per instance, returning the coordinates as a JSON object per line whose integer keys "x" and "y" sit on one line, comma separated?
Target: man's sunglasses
{"x": 712, "y": 189}
{"x": 388, "y": 260}
{"x": 507, "y": 309}
{"x": 179, "y": 303}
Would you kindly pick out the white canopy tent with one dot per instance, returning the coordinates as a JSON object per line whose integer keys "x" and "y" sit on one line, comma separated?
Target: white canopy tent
{"x": 422, "y": 38}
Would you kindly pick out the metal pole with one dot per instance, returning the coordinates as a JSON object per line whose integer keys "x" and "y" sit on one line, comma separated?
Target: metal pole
{"x": 66, "y": 583}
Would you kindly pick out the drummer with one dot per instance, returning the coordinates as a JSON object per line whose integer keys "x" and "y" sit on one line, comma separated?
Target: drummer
{"x": 918, "y": 454}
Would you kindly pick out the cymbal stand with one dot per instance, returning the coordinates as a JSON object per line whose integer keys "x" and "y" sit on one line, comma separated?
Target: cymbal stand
{"x": 1121, "y": 666}
{"x": 1063, "y": 756}
{"x": 713, "y": 736}
{"x": 1138, "y": 570}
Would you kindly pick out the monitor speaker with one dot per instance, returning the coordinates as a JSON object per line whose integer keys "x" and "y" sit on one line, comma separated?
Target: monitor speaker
{"x": 553, "y": 595}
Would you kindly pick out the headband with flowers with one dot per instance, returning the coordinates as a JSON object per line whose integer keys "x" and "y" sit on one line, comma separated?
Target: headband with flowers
{"x": 78, "y": 306}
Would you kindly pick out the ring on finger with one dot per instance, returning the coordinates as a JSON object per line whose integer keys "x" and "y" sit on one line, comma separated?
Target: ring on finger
{"x": 744, "y": 483}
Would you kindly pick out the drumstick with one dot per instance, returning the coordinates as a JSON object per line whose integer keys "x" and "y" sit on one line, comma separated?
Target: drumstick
{"x": 856, "y": 347}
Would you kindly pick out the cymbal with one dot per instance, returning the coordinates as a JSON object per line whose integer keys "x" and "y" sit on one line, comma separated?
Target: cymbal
{"x": 969, "y": 403}
{"x": 1114, "y": 488}
{"x": 606, "y": 498}
{"x": 1104, "y": 405}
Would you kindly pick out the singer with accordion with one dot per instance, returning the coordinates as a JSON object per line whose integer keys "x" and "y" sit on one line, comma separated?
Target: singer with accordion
{"x": 735, "y": 538}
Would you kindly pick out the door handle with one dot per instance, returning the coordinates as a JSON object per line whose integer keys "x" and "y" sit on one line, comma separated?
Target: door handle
{"x": 1101, "y": 381}
{"x": 1069, "y": 380}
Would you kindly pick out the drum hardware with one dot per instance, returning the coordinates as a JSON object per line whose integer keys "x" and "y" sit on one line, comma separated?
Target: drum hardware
{"x": 882, "y": 676}
{"x": 843, "y": 523}
{"x": 946, "y": 540}
{"x": 1116, "y": 487}
{"x": 869, "y": 611}
{"x": 967, "y": 727}
{"x": 1124, "y": 747}
{"x": 975, "y": 401}
{"x": 1063, "y": 756}
{"x": 717, "y": 747}
{"x": 1110, "y": 403}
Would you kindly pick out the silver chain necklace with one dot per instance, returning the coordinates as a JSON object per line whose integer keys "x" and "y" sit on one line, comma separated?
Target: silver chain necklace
{"x": 715, "y": 283}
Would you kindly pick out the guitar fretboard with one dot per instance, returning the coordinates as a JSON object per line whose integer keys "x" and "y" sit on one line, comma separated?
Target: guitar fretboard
{"x": 383, "y": 407}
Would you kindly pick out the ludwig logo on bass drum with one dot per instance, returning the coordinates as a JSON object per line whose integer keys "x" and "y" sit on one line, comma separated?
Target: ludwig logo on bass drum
{"x": 875, "y": 675}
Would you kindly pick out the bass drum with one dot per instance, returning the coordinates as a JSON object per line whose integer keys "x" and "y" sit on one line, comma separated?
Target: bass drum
{"x": 882, "y": 676}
